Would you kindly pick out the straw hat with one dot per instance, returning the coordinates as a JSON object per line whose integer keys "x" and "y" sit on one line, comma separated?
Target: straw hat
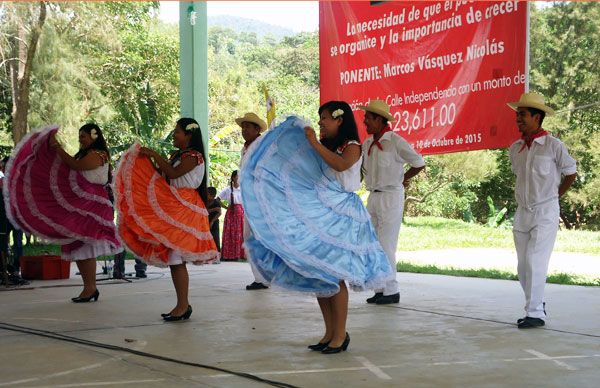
{"x": 252, "y": 118}
{"x": 380, "y": 108}
{"x": 532, "y": 100}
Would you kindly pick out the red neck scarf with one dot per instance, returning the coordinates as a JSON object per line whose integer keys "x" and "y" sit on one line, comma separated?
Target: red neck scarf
{"x": 528, "y": 140}
{"x": 376, "y": 139}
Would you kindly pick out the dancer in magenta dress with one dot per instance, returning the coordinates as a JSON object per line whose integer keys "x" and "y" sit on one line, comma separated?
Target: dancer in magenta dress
{"x": 63, "y": 199}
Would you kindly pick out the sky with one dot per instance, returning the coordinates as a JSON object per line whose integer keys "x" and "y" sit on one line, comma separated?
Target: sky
{"x": 295, "y": 15}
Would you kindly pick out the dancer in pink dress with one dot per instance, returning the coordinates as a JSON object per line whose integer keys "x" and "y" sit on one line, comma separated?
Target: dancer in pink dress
{"x": 63, "y": 199}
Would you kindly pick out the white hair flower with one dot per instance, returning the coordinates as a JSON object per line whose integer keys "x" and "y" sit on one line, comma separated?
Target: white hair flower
{"x": 94, "y": 134}
{"x": 337, "y": 113}
{"x": 191, "y": 126}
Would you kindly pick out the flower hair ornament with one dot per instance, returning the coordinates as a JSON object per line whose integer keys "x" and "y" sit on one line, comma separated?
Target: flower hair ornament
{"x": 337, "y": 113}
{"x": 191, "y": 126}
{"x": 94, "y": 134}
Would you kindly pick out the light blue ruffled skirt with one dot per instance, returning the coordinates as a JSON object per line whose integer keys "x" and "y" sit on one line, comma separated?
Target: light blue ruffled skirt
{"x": 307, "y": 233}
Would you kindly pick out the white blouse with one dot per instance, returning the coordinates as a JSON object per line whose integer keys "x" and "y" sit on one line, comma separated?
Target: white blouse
{"x": 191, "y": 179}
{"x": 99, "y": 175}
{"x": 350, "y": 178}
{"x": 226, "y": 195}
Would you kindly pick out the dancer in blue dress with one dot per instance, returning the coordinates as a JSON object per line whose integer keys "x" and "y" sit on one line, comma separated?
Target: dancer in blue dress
{"x": 311, "y": 232}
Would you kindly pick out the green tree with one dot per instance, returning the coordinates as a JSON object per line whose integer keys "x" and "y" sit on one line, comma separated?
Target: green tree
{"x": 240, "y": 65}
{"x": 141, "y": 78}
{"x": 564, "y": 67}
{"x": 565, "y": 45}
{"x": 22, "y": 26}
{"x": 66, "y": 86}
{"x": 447, "y": 188}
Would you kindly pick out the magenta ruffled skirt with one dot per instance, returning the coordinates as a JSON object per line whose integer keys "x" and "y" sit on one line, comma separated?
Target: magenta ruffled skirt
{"x": 44, "y": 197}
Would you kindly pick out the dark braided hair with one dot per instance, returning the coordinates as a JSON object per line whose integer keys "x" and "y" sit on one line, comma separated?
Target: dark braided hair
{"x": 98, "y": 144}
{"x": 233, "y": 175}
{"x": 196, "y": 144}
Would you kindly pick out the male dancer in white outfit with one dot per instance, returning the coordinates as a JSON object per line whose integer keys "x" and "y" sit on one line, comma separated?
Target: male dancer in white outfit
{"x": 539, "y": 161}
{"x": 251, "y": 126}
{"x": 385, "y": 154}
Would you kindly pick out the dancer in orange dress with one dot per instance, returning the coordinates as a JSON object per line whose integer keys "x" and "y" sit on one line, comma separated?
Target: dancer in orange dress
{"x": 165, "y": 221}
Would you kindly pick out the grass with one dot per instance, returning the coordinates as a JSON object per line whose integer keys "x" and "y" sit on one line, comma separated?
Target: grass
{"x": 419, "y": 233}
{"x": 555, "y": 278}
{"x": 440, "y": 233}
{"x": 38, "y": 249}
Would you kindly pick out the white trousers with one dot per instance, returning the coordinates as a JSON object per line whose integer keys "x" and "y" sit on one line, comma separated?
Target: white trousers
{"x": 386, "y": 209}
{"x": 257, "y": 276}
{"x": 534, "y": 232}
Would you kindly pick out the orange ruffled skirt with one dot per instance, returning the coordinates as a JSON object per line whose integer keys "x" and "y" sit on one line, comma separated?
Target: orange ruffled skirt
{"x": 160, "y": 224}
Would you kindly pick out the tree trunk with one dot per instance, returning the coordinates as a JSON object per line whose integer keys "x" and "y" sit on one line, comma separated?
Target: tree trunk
{"x": 21, "y": 73}
{"x": 410, "y": 199}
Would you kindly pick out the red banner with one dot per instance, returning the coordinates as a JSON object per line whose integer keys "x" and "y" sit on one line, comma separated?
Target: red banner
{"x": 446, "y": 68}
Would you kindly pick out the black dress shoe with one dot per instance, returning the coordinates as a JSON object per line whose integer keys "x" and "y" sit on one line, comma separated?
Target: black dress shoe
{"x": 388, "y": 299}
{"x": 184, "y": 316}
{"x": 374, "y": 298}
{"x": 17, "y": 280}
{"x": 522, "y": 319}
{"x": 330, "y": 350}
{"x": 141, "y": 275}
{"x": 318, "y": 347}
{"x": 94, "y": 296}
{"x": 529, "y": 322}
{"x": 256, "y": 286}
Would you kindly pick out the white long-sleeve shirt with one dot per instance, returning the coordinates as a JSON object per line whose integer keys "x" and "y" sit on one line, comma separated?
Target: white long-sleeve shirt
{"x": 539, "y": 169}
{"x": 384, "y": 169}
{"x": 226, "y": 195}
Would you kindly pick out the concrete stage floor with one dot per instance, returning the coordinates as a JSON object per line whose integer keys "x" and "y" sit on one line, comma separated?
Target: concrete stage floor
{"x": 445, "y": 332}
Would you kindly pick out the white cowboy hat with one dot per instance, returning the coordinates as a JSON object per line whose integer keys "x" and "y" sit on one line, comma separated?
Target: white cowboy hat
{"x": 380, "y": 108}
{"x": 252, "y": 118}
{"x": 532, "y": 100}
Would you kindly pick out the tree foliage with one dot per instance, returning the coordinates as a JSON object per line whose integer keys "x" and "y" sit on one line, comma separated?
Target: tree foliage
{"x": 241, "y": 65}
{"x": 565, "y": 47}
{"x": 22, "y": 27}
